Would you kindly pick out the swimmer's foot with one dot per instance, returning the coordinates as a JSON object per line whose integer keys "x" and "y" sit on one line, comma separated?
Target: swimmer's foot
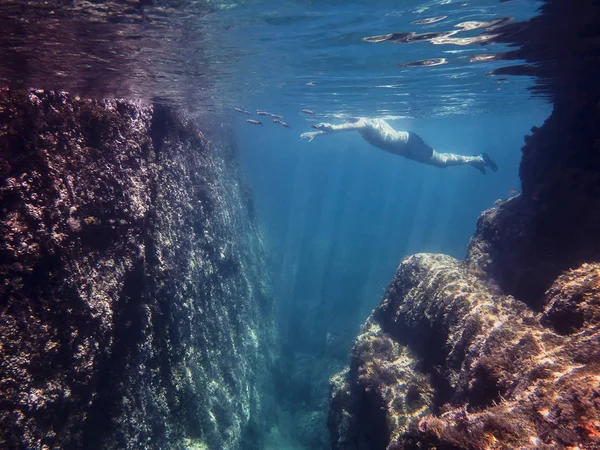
{"x": 479, "y": 163}
{"x": 488, "y": 162}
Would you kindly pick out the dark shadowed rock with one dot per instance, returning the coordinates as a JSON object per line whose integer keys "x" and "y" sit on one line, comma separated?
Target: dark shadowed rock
{"x": 574, "y": 301}
{"x": 552, "y": 226}
{"x": 135, "y": 313}
{"x": 524, "y": 244}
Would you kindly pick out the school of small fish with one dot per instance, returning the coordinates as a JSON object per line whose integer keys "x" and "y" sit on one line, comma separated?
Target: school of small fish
{"x": 276, "y": 117}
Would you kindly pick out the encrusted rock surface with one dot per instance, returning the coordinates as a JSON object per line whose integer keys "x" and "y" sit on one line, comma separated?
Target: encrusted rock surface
{"x": 134, "y": 313}
{"x": 446, "y": 361}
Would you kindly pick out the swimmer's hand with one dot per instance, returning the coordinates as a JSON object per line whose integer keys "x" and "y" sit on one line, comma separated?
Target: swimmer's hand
{"x": 326, "y": 127}
{"x": 310, "y": 135}
{"x": 323, "y": 128}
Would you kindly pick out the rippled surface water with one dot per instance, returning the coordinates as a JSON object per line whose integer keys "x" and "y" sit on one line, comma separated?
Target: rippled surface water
{"x": 376, "y": 58}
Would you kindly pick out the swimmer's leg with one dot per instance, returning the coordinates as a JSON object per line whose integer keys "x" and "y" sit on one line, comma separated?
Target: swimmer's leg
{"x": 479, "y": 162}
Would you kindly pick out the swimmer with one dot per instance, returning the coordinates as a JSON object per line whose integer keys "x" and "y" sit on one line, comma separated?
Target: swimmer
{"x": 379, "y": 133}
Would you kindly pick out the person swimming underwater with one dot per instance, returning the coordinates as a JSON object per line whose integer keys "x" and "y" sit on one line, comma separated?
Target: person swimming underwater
{"x": 379, "y": 133}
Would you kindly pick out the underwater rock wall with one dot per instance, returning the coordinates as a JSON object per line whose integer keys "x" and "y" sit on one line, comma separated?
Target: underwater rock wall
{"x": 135, "y": 310}
{"x": 552, "y": 226}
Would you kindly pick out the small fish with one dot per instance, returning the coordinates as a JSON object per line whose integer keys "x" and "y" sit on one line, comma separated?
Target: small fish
{"x": 248, "y": 113}
{"x": 239, "y": 110}
{"x": 307, "y": 111}
{"x": 513, "y": 191}
{"x": 316, "y": 127}
{"x": 280, "y": 122}
{"x": 260, "y": 112}
{"x": 275, "y": 116}
{"x": 253, "y": 122}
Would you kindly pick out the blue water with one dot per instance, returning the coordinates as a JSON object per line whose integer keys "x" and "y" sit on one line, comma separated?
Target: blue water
{"x": 337, "y": 214}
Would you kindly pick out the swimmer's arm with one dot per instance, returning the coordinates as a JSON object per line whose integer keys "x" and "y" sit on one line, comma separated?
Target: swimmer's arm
{"x": 350, "y": 126}
{"x": 327, "y": 128}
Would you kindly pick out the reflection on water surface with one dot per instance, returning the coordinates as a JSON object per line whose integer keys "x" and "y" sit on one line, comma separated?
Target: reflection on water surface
{"x": 209, "y": 56}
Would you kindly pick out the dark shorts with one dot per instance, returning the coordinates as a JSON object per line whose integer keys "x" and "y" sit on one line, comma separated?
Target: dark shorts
{"x": 418, "y": 150}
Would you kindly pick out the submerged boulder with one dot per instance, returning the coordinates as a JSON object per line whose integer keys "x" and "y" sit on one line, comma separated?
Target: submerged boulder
{"x": 447, "y": 361}
{"x": 135, "y": 313}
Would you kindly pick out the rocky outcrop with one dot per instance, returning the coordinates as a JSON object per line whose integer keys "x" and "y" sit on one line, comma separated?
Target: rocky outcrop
{"x": 446, "y": 361}
{"x": 135, "y": 313}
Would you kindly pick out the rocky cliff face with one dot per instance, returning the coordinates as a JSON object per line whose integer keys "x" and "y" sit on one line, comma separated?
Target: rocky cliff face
{"x": 501, "y": 350}
{"x": 135, "y": 313}
{"x": 527, "y": 242}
